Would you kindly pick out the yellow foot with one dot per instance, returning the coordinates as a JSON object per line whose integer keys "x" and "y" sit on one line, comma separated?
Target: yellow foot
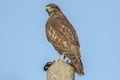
{"x": 59, "y": 56}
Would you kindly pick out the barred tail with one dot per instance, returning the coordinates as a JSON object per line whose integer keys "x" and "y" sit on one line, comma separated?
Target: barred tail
{"x": 77, "y": 64}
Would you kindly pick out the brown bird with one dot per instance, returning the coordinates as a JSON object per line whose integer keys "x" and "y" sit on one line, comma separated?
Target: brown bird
{"x": 63, "y": 36}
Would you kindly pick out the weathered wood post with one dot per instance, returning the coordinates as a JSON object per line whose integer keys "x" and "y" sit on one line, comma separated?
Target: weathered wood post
{"x": 60, "y": 70}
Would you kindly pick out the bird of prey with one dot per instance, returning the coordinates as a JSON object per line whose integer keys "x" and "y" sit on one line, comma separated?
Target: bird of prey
{"x": 62, "y": 35}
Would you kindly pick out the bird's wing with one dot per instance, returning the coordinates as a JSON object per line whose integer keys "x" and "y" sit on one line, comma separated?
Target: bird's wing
{"x": 62, "y": 35}
{"x": 55, "y": 36}
{"x": 67, "y": 29}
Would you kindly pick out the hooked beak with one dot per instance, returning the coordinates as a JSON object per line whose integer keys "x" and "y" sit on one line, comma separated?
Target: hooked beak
{"x": 47, "y": 8}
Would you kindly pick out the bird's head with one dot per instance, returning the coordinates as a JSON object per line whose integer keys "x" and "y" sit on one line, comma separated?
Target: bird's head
{"x": 52, "y": 8}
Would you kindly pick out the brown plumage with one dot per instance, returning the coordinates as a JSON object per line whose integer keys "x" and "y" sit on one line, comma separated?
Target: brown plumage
{"x": 63, "y": 36}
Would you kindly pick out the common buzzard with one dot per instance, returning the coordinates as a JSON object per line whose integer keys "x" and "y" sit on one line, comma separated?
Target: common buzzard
{"x": 63, "y": 36}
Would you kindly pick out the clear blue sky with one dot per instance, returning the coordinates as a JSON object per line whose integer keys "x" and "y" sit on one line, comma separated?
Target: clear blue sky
{"x": 24, "y": 48}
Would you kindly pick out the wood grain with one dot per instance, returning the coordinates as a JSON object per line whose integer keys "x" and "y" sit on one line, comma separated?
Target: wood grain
{"x": 60, "y": 70}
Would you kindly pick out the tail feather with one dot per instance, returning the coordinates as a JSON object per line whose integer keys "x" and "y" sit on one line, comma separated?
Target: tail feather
{"x": 78, "y": 66}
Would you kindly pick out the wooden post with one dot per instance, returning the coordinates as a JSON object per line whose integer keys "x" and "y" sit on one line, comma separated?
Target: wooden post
{"x": 60, "y": 70}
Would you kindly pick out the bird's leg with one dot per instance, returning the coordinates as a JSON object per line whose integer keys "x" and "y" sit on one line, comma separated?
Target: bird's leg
{"x": 59, "y": 56}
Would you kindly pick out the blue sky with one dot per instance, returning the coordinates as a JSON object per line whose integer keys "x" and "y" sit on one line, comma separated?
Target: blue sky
{"x": 24, "y": 48}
